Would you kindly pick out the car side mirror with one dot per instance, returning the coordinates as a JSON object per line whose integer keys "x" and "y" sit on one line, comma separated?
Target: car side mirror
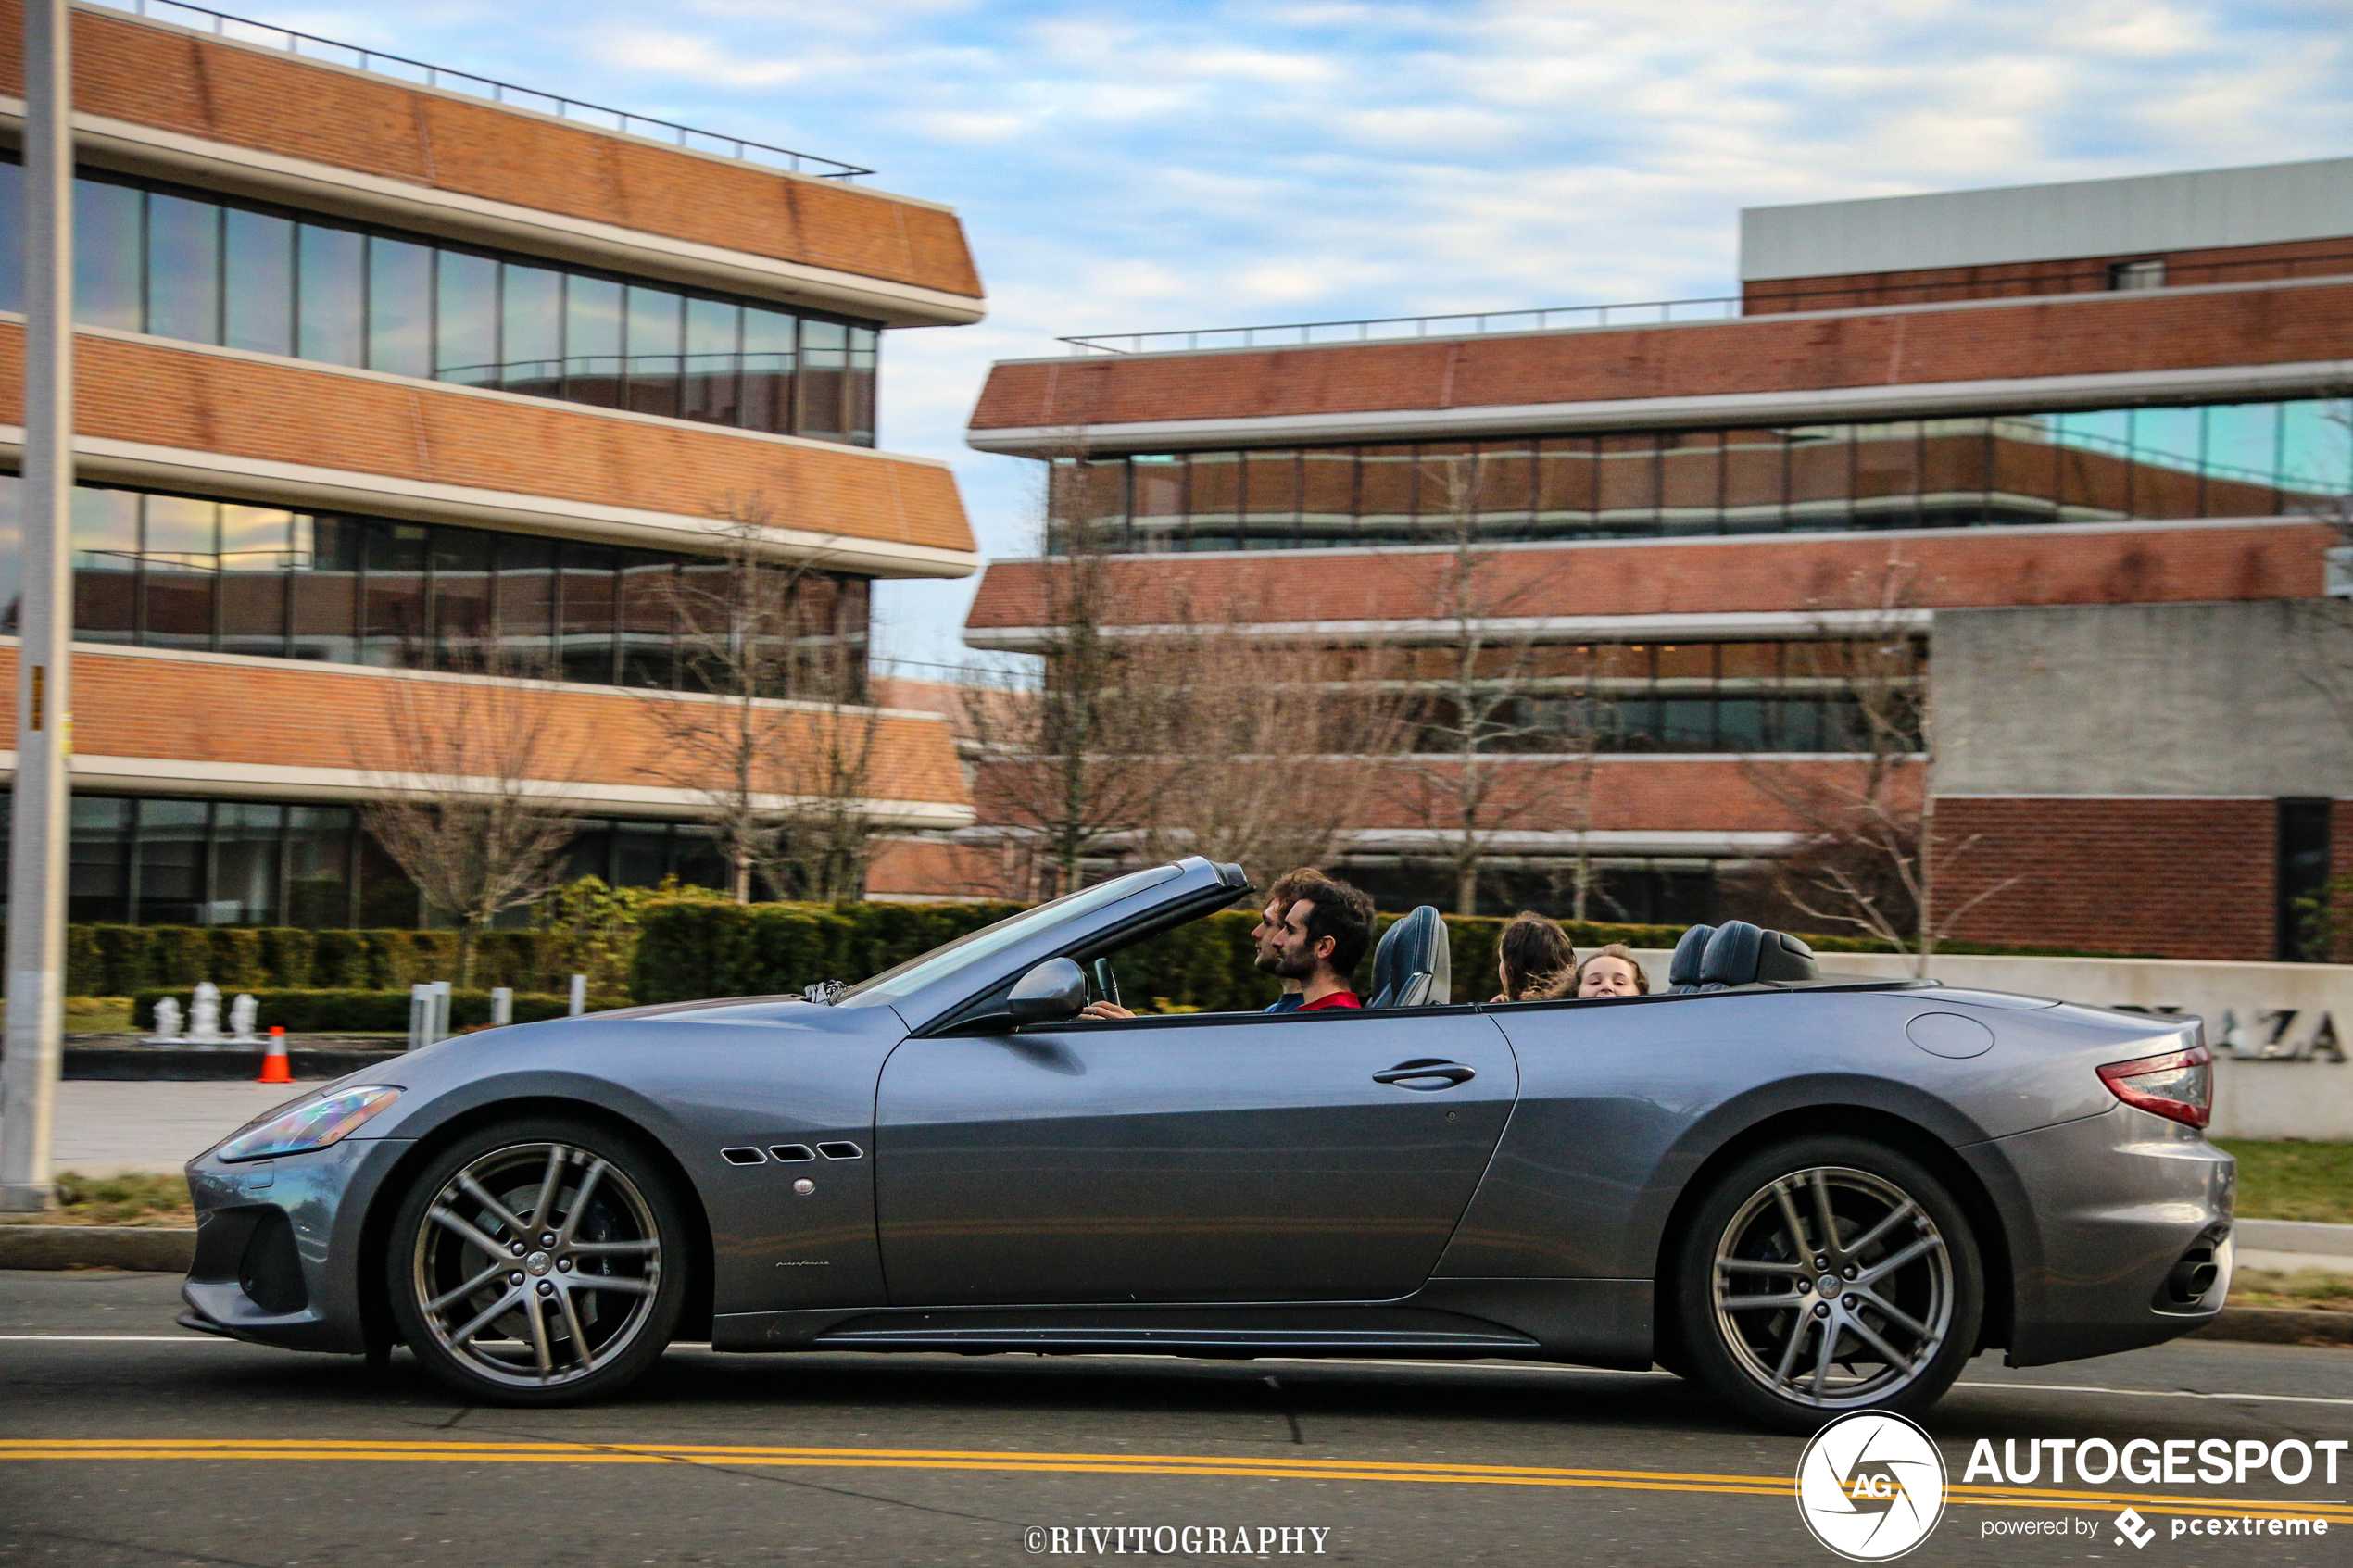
{"x": 1056, "y": 988}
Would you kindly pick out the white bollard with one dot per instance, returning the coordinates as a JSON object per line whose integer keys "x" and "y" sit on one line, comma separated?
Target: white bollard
{"x": 419, "y": 1014}
{"x": 440, "y": 1019}
{"x": 502, "y": 1006}
{"x": 579, "y": 995}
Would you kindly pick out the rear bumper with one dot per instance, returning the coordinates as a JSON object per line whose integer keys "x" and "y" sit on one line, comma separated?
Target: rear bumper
{"x": 2100, "y": 1211}
{"x": 280, "y": 1244}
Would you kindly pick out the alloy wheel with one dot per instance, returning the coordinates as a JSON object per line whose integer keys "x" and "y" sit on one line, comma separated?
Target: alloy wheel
{"x": 1833, "y": 1287}
{"x": 536, "y": 1264}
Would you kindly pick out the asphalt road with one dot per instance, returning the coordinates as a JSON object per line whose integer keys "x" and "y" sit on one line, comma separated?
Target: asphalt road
{"x": 952, "y": 1459}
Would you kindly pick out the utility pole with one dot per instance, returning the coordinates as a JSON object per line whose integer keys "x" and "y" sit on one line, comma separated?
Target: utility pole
{"x": 40, "y": 819}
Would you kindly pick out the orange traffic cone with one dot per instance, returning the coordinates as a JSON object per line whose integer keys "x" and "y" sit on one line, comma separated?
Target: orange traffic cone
{"x": 273, "y": 1066}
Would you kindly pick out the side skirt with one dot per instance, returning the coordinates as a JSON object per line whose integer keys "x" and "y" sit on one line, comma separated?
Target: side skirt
{"x": 1597, "y": 1323}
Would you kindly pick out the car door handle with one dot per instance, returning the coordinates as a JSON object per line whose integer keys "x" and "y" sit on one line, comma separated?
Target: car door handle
{"x": 1427, "y": 1075}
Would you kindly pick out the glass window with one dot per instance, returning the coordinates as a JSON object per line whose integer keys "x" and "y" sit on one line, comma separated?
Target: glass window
{"x": 1271, "y": 491}
{"x": 322, "y": 605}
{"x": 181, "y": 558}
{"x": 1157, "y": 503}
{"x": 245, "y": 864}
{"x": 592, "y": 341}
{"x": 654, "y": 343}
{"x": 11, "y": 256}
{"x": 169, "y": 862}
{"x": 526, "y": 604}
{"x": 1328, "y": 497}
{"x": 769, "y": 339}
{"x": 255, "y": 546}
{"x": 466, "y": 319}
{"x": 331, "y": 283}
{"x": 1887, "y": 477}
{"x": 318, "y": 862}
{"x": 586, "y": 637}
{"x": 862, "y": 385}
{"x": 825, "y": 367}
{"x": 531, "y": 338}
{"x": 183, "y": 269}
{"x": 394, "y": 631}
{"x": 105, "y": 565}
{"x": 714, "y": 328}
{"x": 640, "y": 854}
{"x": 110, "y": 252}
{"x": 1691, "y": 467}
{"x": 1628, "y": 479}
{"x": 1567, "y": 477}
{"x": 1754, "y": 474}
{"x": 461, "y": 600}
{"x": 258, "y": 289}
{"x": 648, "y": 604}
{"x": 1214, "y": 487}
{"x": 387, "y": 899}
{"x": 97, "y": 877}
{"x": 1822, "y": 477}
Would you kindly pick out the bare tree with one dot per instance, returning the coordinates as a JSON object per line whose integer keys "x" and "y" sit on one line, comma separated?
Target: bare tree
{"x": 1276, "y": 740}
{"x": 1508, "y": 726}
{"x": 1870, "y": 856}
{"x": 468, "y": 793}
{"x": 1075, "y": 766}
{"x": 778, "y": 741}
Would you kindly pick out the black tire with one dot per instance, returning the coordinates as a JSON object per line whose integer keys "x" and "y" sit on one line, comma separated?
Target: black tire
{"x": 1897, "y": 1329}
{"x": 592, "y": 1290}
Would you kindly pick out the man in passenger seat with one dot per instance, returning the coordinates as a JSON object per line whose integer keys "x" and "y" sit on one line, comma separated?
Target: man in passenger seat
{"x": 1325, "y": 936}
{"x": 1269, "y": 930}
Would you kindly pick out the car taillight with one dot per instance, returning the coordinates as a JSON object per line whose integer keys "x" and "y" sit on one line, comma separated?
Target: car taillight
{"x": 2179, "y": 1084}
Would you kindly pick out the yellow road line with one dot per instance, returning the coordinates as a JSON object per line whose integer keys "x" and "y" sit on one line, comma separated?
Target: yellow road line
{"x": 291, "y": 1449}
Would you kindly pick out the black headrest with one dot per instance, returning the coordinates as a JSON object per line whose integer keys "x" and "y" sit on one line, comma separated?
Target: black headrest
{"x": 1412, "y": 967}
{"x": 1682, "y": 970}
{"x": 1742, "y": 954}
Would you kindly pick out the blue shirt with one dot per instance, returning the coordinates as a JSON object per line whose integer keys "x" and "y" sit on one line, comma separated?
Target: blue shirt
{"x": 1288, "y": 1002}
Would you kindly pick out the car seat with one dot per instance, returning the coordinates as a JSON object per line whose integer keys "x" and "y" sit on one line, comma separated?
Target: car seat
{"x": 1413, "y": 967}
{"x": 1742, "y": 954}
{"x": 1682, "y": 970}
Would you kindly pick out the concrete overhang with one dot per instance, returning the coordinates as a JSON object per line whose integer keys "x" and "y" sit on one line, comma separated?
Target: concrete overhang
{"x": 1812, "y": 405}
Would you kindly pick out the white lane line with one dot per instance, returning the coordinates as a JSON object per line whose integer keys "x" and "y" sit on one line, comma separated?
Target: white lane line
{"x": 2153, "y": 1393}
{"x": 189, "y": 1338}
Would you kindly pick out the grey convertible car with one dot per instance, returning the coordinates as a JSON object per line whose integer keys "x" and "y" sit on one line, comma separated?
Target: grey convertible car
{"x": 1814, "y": 1195}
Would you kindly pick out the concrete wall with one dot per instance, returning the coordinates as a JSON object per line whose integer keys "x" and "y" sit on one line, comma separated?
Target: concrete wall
{"x": 2146, "y": 699}
{"x": 2221, "y": 207}
{"x": 2277, "y": 1074}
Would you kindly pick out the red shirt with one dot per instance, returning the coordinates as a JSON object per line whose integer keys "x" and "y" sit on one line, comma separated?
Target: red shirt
{"x": 1337, "y": 999}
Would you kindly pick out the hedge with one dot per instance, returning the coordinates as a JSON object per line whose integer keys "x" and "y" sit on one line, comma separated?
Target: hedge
{"x": 121, "y": 960}
{"x": 690, "y": 950}
{"x": 358, "y": 1013}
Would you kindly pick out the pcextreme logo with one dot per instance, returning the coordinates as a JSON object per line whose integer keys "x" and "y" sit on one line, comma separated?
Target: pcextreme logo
{"x": 1871, "y": 1486}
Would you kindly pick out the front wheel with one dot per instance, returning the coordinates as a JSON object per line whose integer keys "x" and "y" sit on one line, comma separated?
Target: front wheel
{"x": 1825, "y": 1275}
{"x": 538, "y": 1262}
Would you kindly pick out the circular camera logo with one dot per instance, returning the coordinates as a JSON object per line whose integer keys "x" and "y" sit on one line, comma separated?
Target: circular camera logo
{"x": 1871, "y": 1486}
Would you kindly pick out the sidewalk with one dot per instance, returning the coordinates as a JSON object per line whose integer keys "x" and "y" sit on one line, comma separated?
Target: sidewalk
{"x": 104, "y": 1129}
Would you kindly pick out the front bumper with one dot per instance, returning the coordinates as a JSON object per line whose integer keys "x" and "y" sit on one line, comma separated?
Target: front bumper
{"x": 281, "y": 1245}
{"x": 2100, "y": 1212}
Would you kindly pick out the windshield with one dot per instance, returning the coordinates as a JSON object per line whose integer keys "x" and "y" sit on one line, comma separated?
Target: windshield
{"x": 990, "y": 940}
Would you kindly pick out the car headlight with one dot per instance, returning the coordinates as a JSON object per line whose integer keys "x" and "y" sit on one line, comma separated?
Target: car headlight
{"x": 314, "y": 1123}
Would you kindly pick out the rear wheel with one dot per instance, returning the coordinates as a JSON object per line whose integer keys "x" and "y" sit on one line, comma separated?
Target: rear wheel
{"x": 1825, "y": 1275}
{"x": 538, "y": 1262}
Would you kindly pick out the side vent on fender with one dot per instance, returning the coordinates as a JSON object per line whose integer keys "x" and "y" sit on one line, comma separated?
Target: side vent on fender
{"x": 744, "y": 1156}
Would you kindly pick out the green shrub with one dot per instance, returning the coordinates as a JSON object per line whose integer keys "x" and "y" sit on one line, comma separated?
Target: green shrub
{"x": 361, "y": 1012}
{"x": 235, "y": 963}
{"x": 339, "y": 960}
{"x": 690, "y": 948}
{"x": 124, "y": 958}
{"x": 85, "y": 966}
{"x": 179, "y": 955}
{"x": 287, "y": 956}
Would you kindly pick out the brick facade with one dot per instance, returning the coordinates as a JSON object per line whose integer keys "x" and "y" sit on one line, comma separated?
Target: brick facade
{"x": 2183, "y": 268}
{"x": 2107, "y": 334}
{"x": 1793, "y": 573}
{"x": 273, "y": 103}
{"x": 261, "y": 712}
{"x": 285, "y": 411}
{"x": 2160, "y": 877}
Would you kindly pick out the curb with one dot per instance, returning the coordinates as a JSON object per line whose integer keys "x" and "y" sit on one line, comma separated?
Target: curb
{"x": 2279, "y": 1326}
{"x": 151, "y": 1249}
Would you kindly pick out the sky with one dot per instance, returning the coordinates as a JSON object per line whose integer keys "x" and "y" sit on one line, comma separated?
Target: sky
{"x": 1147, "y": 166}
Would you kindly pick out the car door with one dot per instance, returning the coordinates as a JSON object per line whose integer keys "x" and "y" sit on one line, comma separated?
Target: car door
{"x": 1249, "y": 1157}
